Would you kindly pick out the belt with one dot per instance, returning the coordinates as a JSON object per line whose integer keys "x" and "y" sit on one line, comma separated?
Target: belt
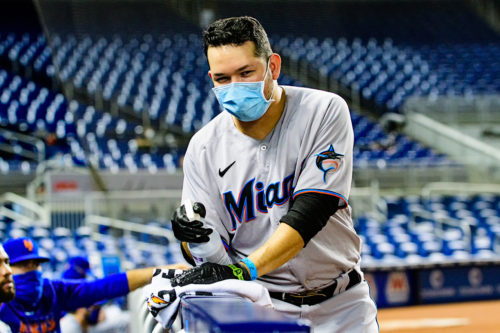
{"x": 312, "y": 297}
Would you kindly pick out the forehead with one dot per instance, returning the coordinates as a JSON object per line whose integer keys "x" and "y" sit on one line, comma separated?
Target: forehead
{"x": 230, "y": 55}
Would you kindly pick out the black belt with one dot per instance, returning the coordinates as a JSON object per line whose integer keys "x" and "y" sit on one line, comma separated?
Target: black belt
{"x": 312, "y": 297}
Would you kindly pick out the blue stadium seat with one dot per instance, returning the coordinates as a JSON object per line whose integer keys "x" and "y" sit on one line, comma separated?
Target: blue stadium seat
{"x": 405, "y": 238}
{"x": 147, "y": 74}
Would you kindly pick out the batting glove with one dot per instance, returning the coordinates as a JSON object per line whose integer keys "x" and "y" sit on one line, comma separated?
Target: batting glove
{"x": 190, "y": 231}
{"x": 211, "y": 273}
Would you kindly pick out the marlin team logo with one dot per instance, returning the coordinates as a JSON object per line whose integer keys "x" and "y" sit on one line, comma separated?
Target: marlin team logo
{"x": 328, "y": 160}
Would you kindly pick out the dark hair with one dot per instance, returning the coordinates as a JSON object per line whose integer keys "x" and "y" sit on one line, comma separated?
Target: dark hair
{"x": 237, "y": 31}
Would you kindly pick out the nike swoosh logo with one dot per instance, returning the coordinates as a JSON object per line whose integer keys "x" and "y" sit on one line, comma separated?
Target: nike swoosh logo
{"x": 223, "y": 172}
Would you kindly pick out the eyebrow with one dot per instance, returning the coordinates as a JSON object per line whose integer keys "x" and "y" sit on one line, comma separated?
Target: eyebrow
{"x": 238, "y": 70}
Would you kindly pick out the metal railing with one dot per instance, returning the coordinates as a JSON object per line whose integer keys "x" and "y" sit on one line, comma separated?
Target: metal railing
{"x": 94, "y": 221}
{"x": 450, "y": 188}
{"x": 69, "y": 210}
{"x": 367, "y": 201}
{"x": 116, "y": 204}
{"x": 37, "y": 155}
{"x": 442, "y": 222}
{"x": 28, "y": 211}
{"x": 479, "y": 109}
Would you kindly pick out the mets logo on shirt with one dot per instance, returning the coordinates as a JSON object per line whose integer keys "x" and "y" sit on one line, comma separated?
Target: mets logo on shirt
{"x": 328, "y": 161}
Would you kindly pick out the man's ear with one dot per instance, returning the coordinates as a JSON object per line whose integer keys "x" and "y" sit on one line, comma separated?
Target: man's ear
{"x": 275, "y": 65}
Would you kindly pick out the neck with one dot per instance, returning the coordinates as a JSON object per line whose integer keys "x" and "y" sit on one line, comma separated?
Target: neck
{"x": 260, "y": 128}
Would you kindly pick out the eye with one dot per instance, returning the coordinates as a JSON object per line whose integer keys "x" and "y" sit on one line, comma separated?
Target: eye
{"x": 222, "y": 79}
{"x": 246, "y": 73}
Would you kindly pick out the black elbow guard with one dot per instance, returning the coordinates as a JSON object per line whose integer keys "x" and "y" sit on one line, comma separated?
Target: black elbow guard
{"x": 310, "y": 213}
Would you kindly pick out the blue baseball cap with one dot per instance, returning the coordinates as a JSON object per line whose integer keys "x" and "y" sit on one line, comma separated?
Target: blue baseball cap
{"x": 78, "y": 268}
{"x": 21, "y": 249}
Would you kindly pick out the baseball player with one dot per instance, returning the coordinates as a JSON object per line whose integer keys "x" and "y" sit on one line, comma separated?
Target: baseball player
{"x": 40, "y": 303}
{"x": 7, "y": 290}
{"x": 274, "y": 174}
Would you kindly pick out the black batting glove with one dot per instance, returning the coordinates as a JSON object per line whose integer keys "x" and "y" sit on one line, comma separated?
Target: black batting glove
{"x": 190, "y": 231}
{"x": 210, "y": 273}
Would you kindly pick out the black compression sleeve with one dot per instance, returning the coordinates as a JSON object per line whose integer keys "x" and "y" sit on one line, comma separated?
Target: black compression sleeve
{"x": 309, "y": 213}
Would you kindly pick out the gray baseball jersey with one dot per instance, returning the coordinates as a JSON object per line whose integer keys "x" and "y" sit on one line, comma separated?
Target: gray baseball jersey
{"x": 247, "y": 185}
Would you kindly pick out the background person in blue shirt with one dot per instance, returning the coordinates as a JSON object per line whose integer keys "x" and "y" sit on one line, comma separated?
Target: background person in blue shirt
{"x": 40, "y": 303}
{"x": 78, "y": 321}
{"x": 106, "y": 316}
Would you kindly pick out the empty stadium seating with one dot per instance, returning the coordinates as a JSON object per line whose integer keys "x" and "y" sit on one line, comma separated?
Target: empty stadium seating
{"x": 68, "y": 127}
{"x": 432, "y": 230}
{"x": 171, "y": 88}
{"x": 165, "y": 76}
{"x": 152, "y": 74}
{"x": 387, "y": 73}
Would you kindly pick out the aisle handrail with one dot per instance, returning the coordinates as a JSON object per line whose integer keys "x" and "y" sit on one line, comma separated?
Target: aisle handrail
{"x": 96, "y": 220}
{"x": 35, "y": 212}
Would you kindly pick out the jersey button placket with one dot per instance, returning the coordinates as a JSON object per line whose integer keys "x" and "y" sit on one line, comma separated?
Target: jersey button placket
{"x": 261, "y": 157}
{"x": 264, "y": 148}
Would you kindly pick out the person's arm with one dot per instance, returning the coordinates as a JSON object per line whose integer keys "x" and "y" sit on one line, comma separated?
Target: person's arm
{"x": 308, "y": 214}
{"x": 140, "y": 277}
{"x": 283, "y": 245}
{"x": 73, "y": 295}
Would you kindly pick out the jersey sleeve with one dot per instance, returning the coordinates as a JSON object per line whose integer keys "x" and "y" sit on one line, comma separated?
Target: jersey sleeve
{"x": 197, "y": 186}
{"x": 4, "y": 328}
{"x": 326, "y": 153}
{"x": 74, "y": 295}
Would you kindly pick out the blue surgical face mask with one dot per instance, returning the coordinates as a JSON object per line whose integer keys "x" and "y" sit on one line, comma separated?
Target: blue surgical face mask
{"x": 244, "y": 100}
{"x": 29, "y": 288}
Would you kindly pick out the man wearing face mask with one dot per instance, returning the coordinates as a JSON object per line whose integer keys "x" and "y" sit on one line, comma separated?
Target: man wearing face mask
{"x": 40, "y": 303}
{"x": 274, "y": 174}
{"x": 7, "y": 290}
